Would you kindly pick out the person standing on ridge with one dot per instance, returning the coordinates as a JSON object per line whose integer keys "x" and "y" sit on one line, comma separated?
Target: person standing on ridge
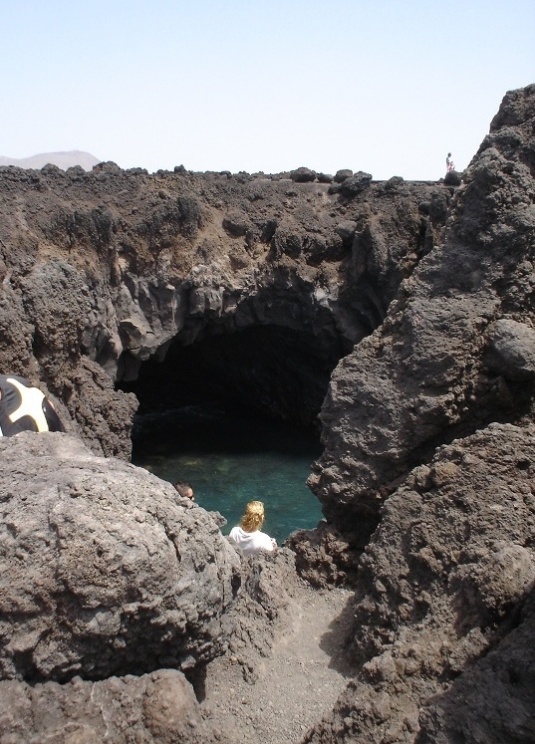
{"x": 247, "y": 535}
{"x": 450, "y": 165}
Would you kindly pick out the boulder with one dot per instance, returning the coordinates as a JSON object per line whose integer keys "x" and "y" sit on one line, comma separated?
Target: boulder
{"x": 303, "y": 175}
{"x": 342, "y": 175}
{"x": 452, "y": 178}
{"x": 236, "y": 224}
{"x": 103, "y": 569}
{"x": 324, "y": 557}
{"x": 156, "y": 708}
{"x": 511, "y": 350}
{"x": 355, "y": 184}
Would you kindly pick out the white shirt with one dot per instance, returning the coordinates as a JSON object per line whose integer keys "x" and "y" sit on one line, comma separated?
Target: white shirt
{"x": 251, "y": 542}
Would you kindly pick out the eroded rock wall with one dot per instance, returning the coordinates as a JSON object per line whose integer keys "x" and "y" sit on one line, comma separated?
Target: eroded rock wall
{"x": 451, "y": 354}
{"x": 102, "y": 271}
{"x": 444, "y": 600}
{"x": 442, "y": 586}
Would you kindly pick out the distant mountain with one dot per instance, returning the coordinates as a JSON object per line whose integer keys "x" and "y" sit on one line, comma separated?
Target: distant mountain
{"x": 63, "y": 160}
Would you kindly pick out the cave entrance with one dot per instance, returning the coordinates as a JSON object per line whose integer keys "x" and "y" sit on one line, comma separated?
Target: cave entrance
{"x": 236, "y": 415}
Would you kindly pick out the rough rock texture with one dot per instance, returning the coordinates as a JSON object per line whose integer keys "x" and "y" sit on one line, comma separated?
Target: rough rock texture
{"x": 441, "y": 583}
{"x": 324, "y": 556}
{"x": 103, "y": 568}
{"x": 511, "y": 350}
{"x": 271, "y": 279}
{"x": 435, "y": 368}
{"x": 493, "y": 701}
{"x": 107, "y": 579}
{"x": 426, "y": 288}
{"x": 445, "y": 585}
{"x": 268, "y": 583}
{"x": 157, "y": 708}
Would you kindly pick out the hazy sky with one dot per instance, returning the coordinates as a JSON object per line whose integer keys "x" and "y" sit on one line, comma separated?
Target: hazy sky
{"x": 383, "y": 86}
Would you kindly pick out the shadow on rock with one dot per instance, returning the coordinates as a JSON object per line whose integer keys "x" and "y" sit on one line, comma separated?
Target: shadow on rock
{"x": 337, "y": 643}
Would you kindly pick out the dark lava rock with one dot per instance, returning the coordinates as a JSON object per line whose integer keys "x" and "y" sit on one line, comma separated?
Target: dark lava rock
{"x": 303, "y": 175}
{"x": 111, "y": 269}
{"x": 511, "y": 350}
{"x": 453, "y": 178}
{"x": 324, "y": 556}
{"x": 355, "y": 184}
{"x": 442, "y": 581}
{"x": 423, "y": 376}
{"x": 342, "y": 175}
{"x": 103, "y": 569}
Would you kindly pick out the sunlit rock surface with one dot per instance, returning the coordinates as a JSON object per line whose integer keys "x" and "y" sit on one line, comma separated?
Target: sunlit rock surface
{"x": 442, "y": 364}
{"x": 445, "y": 586}
{"x": 157, "y": 708}
{"x": 410, "y": 304}
{"x": 112, "y": 276}
{"x": 103, "y": 568}
{"x": 443, "y": 583}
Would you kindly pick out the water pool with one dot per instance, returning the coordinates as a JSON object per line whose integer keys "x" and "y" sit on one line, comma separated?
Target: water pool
{"x": 231, "y": 458}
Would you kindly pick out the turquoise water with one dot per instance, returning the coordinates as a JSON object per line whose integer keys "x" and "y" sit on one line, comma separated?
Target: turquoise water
{"x": 231, "y": 459}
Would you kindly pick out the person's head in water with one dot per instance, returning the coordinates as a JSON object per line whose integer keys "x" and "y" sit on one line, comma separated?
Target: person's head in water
{"x": 185, "y": 489}
{"x": 253, "y": 519}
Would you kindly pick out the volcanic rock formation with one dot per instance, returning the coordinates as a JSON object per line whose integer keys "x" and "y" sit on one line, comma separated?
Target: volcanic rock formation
{"x": 451, "y": 354}
{"x": 444, "y": 581}
{"x": 104, "y": 570}
{"x": 266, "y": 280}
{"x": 449, "y": 572}
{"x": 403, "y": 310}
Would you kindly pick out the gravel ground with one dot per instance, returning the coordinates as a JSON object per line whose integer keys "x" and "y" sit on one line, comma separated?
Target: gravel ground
{"x": 292, "y": 688}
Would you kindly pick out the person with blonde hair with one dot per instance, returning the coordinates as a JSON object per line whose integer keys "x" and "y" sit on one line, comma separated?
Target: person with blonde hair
{"x": 247, "y": 534}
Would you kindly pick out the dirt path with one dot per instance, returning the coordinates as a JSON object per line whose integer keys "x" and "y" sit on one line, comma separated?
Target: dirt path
{"x": 295, "y": 685}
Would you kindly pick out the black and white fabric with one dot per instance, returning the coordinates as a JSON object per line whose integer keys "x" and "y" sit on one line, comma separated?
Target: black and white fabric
{"x": 24, "y": 407}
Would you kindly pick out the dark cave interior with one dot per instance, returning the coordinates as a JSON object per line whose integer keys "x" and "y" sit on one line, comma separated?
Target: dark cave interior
{"x": 267, "y": 371}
